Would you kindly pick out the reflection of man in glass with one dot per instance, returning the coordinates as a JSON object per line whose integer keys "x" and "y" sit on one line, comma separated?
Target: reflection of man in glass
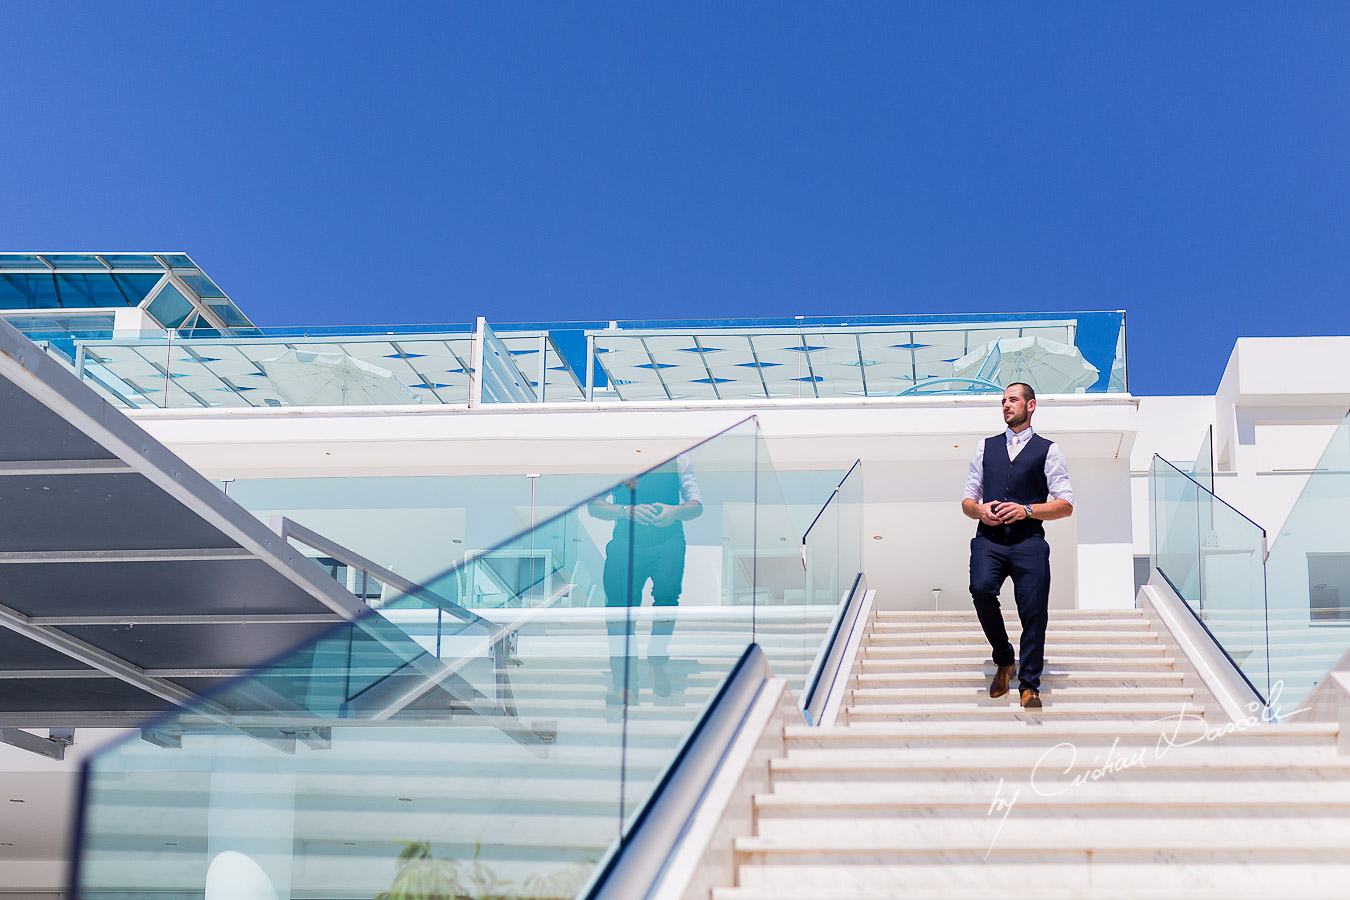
{"x": 648, "y": 544}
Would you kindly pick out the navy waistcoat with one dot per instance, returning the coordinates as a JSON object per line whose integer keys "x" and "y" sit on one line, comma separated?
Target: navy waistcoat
{"x": 661, "y": 485}
{"x": 1020, "y": 480}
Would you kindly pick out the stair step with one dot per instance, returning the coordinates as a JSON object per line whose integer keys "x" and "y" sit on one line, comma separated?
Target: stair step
{"x": 1278, "y": 874}
{"x": 973, "y": 625}
{"x": 1049, "y": 764}
{"x": 984, "y": 736}
{"x": 941, "y": 615}
{"x": 1067, "y": 679}
{"x": 900, "y": 662}
{"x": 1020, "y": 870}
{"x": 979, "y": 694}
{"x": 900, "y": 837}
{"x": 857, "y": 798}
{"x": 1041, "y": 891}
{"x": 1052, "y": 637}
{"x": 1056, "y": 709}
{"x": 1062, "y": 650}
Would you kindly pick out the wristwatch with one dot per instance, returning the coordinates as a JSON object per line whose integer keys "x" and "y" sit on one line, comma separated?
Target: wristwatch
{"x": 1027, "y": 507}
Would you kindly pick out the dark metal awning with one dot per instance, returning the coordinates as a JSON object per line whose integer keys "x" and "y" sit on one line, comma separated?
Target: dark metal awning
{"x": 128, "y": 582}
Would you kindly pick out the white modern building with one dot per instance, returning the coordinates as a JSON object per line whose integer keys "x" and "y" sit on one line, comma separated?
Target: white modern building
{"x": 359, "y": 571}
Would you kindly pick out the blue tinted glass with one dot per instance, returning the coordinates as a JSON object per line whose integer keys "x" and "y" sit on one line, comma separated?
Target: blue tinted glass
{"x": 137, "y": 287}
{"x": 204, "y": 286}
{"x": 27, "y": 291}
{"x": 178, "y": 260}
{"x": 91, "y": 290}
{"x": 170, "y": 307}
{"x": 230, "y": 314}
{"x": 56, "y": 323}
{"x": 131, "y": 260}
{"x": 20, "y": 261}
{"x": 74, "y": 261}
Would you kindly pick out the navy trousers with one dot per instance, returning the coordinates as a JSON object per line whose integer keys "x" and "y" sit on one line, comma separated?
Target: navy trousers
{"x": 624, "y": 579}
{"x": 1028, "y": 562}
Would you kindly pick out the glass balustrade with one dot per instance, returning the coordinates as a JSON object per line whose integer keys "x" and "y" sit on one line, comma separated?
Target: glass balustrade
{"x": 494, "y": 731}
{"x": 1202, "y": 470}
{"x": 1214, "y": 558}
{"x": 190, "y": 366}
{"x": 1281, "y": 608}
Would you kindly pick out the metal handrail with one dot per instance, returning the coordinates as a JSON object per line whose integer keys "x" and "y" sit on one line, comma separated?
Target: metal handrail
{"x": 636, "y": 863}
{"x": 824, "y": 506}
{"x": 825, "y": 669}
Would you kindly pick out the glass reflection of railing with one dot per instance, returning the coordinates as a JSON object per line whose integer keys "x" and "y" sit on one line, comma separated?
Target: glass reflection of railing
{"x": 389, "y": 753}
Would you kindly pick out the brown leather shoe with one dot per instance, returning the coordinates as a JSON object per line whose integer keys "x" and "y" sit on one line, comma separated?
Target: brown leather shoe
{"x": 1031, "y": 698}
{"x": 999, "y": 686}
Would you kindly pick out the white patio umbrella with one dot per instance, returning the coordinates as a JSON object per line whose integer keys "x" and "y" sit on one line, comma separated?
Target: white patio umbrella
{"x": 1048, "y": 366}
{"x": 305, "y": 378}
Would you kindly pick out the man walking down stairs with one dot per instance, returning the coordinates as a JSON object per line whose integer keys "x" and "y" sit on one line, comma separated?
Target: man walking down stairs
{"x": 1124, "y": 785}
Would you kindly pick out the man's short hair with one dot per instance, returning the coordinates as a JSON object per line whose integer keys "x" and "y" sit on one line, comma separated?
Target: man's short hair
{"x": 1028, "y": 392}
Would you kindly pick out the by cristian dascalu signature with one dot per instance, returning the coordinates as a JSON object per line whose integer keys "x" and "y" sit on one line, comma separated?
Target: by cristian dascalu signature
{"x": 1062, "y": 758}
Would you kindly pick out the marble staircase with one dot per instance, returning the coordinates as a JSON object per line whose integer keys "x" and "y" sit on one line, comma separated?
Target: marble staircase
{"x": 1128, "y": 783}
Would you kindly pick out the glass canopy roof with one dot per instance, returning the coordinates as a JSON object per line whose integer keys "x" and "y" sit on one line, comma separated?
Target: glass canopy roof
{"x": 169, "y": 286}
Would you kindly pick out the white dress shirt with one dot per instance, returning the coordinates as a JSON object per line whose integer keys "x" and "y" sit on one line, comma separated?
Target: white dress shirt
{"x": 689, "y": 489}
{"x": 1056, "y": 468}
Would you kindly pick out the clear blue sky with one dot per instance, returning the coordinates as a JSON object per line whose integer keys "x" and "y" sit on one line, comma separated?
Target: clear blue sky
{"x": 396, "y": 162}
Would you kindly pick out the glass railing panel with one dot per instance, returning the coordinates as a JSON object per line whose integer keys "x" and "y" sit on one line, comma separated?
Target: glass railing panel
{"x": 832, "y": 558}
{"x": 339, "y": 370}
{"x": 1233, "y": 585}
{"x": 1308, "y": 572}
{"x": 502, "y": 750}
{"x": 876, "y": 356}
{"x": 1214, "y": 558}
{"x": 1175, "y": 510}
{"x": 1202, "y": 470}
{"x": 832, "y": 545}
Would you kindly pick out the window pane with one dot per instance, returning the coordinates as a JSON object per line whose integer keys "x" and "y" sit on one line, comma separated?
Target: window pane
{"x": 20, "y": 261}
{"x": 170, "y": 308}
{"x": 74, "y": 261}
{"x": 204, "y": 286}
{"x": 138, "y": 287}
{"x": 27, "y": 291}
{"x": 132, "y": 260}
{"x": 230, "y": 314}
{"x": 91, "y": 290}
